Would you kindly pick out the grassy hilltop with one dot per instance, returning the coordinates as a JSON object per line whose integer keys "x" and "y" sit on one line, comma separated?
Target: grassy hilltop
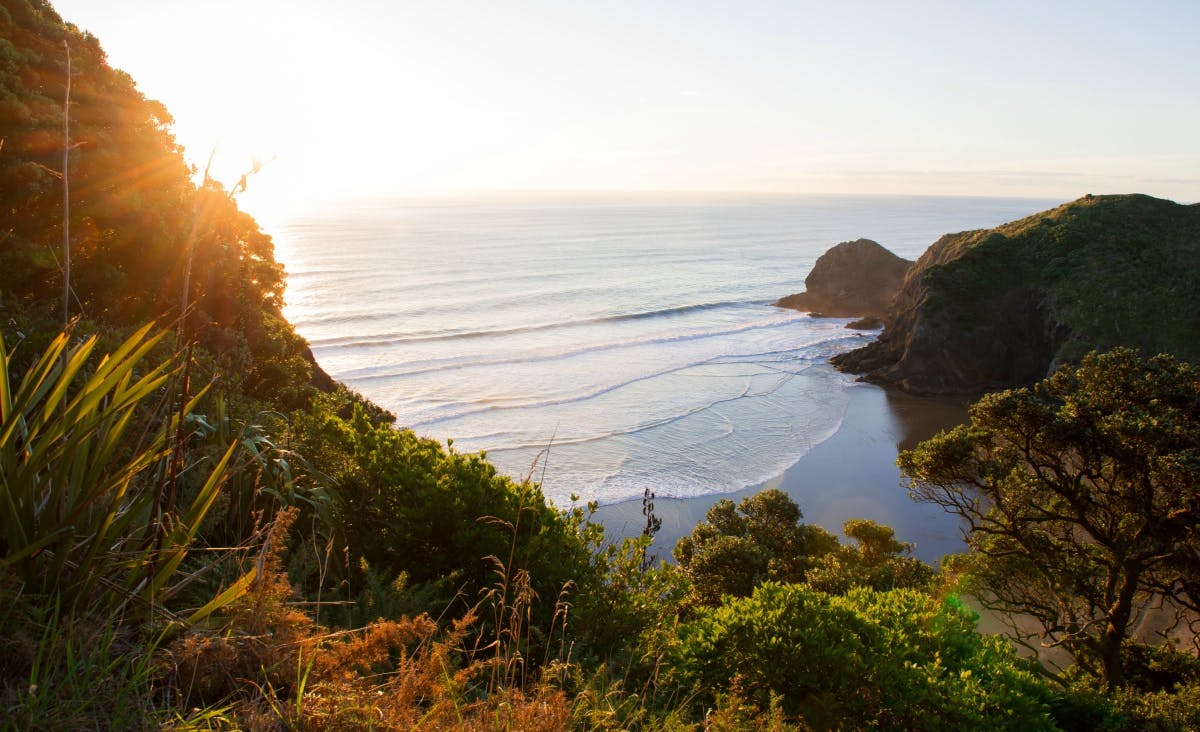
{"x": 995, "y": 308}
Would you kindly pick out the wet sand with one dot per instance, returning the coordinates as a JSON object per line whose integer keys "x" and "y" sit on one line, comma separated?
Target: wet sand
{"x": 853, "y": 474}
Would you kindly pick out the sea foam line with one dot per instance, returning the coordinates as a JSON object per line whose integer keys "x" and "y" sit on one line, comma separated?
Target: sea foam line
{"x": 455, "y": 363}
{"x": 621, "y": 487}
{"x": 498, "y": 406}
{"x": 635, "y": 429}
{"x": 394, "y": 338}
{"x": 641, "y": 427}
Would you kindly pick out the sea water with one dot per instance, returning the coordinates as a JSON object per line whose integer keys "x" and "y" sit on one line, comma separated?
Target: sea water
{"x": 600, "y": 345}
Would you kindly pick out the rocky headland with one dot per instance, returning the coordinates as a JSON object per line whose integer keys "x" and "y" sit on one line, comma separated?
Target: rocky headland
{"x": 855, "y": 279}
{"x": 996, "y": 308}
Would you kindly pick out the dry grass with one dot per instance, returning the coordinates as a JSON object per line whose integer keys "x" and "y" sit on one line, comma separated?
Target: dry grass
{"x": 271, "y": 667}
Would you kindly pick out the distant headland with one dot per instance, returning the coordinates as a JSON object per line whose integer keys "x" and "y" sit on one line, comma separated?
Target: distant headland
{"x": 996, "y": 308}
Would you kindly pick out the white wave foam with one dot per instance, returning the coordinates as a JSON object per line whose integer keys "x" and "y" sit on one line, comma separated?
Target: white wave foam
{"x": 418, "y": 367}
{"x": 426, "y": 336}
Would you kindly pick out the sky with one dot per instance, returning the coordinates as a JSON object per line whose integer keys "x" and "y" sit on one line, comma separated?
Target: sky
{"x": 419, "y": 97}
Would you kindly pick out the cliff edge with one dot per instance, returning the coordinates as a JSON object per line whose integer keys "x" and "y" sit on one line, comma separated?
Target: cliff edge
{"x": 996, "y": 308}
{"x": 853, "y": 279}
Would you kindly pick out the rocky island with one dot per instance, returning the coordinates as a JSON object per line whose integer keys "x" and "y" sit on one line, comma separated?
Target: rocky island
{"x": 853, "y": 279}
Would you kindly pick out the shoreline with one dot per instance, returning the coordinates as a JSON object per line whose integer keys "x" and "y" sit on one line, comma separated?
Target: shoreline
{"x": 852, "y": 474}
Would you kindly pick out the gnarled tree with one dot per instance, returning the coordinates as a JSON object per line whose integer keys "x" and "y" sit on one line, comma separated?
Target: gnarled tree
{"x": 1081, "y": 497}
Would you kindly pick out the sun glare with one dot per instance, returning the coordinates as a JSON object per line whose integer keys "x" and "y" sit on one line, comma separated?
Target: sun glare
{"x": 788, "y": 97}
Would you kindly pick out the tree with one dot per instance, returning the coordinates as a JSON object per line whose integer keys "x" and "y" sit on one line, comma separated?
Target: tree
{"x": 878, "y": 561}
{"x": 134, "y": 216}
{"x": 737, "y": 547}
{"x": 1080, "y": 498}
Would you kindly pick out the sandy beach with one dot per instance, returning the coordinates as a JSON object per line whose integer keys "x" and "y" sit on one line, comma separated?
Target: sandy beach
{"x": 853, "y": 474}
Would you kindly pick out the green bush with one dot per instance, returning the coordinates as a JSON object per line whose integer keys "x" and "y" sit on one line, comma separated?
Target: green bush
{"x": 737, "y": 547}
{"x": 878, "y": 562}
{"x": 408, "y": 505}
{"x": 896, "y": 660}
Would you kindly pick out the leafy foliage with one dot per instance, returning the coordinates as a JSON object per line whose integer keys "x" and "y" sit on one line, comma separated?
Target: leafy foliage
{"x": 619, "y": 616}
{"x": 1162, "y": 693}
{"x": 895, "y": 660}
{"x": 998, "y": 308}
{"x": 1112, "y": 264}
{"x": 83, "y": 511}
{"x": 737, "y": 548}
{"x": 878, "y": 562}
{"x": 409, "y": 505}
{"x": 1080, "y": 494}
{"x": 140, "y": 228}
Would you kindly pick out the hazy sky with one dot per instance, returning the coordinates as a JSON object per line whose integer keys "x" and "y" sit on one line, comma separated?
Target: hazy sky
{"x": 1047, "y": 98}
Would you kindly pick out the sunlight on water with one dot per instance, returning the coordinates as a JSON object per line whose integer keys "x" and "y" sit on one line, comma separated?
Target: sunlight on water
{"x": 634, "y": 339}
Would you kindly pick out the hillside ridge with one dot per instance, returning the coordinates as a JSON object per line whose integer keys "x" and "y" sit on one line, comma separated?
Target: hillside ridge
{"x": 990, "y": 309}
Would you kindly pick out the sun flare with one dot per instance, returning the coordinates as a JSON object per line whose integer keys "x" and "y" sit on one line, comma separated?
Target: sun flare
{"x": 536, "y": 96}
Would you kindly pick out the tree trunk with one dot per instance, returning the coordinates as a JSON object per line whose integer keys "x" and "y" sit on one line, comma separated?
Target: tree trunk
{"x": 1110, "y": 657}
{"x": 1118, "y": 625}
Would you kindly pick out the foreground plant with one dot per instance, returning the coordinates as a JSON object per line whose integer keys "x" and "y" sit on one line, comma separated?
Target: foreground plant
{"x": 267, "y": 665}
{"x": 83, "y": 453}
{"x": 892, "y": 660}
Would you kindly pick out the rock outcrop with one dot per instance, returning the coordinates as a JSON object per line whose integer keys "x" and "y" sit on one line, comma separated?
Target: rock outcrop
{"x": 992, "y": 309}
{"x": 853, "y": 279}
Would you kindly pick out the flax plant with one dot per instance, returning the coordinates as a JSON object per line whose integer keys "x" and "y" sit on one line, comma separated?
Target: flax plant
{"x": 78, "y": 485}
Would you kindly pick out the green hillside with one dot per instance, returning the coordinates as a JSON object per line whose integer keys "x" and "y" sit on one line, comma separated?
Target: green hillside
{"x": 1001, "y": 307}
{"x": 139, "y": 224}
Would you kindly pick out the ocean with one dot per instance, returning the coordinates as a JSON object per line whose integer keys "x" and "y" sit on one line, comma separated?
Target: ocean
{"x": 601, "y": 345}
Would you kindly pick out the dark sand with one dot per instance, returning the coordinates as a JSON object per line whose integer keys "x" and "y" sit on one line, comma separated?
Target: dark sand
{"x": 853, "y": 474}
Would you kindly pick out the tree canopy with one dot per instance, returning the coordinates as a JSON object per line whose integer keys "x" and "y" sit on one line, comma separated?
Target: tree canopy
{"x": 140, "y": 228}
{"x": 1080, "y": 497}
{"x": 738, "y": 547}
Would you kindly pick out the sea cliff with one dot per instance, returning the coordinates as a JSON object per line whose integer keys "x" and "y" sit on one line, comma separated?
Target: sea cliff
{"x": 995, "y": 308}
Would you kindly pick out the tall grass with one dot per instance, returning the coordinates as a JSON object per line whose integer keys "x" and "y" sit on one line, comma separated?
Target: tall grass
{"x": 79, "y": 674}
{"x": 90, "y": 548}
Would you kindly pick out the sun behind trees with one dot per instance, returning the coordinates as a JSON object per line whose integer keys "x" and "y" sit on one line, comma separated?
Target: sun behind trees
{"x": 134, "y": 214}
{"x": 1081, "y": 496}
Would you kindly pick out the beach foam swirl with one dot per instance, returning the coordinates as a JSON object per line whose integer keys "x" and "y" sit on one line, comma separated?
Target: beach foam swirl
{"x": 622, "y": 344}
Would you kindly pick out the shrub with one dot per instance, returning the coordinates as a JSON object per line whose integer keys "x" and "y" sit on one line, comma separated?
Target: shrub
{"x": 897, "y": 660}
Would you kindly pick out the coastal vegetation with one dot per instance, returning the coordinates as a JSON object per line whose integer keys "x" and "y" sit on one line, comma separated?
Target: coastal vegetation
{"x": 198, "y": 531}
{"x": 1080, "y": 495}
{"x": 997, "y": 308}
{"x": 736, "y": 549}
